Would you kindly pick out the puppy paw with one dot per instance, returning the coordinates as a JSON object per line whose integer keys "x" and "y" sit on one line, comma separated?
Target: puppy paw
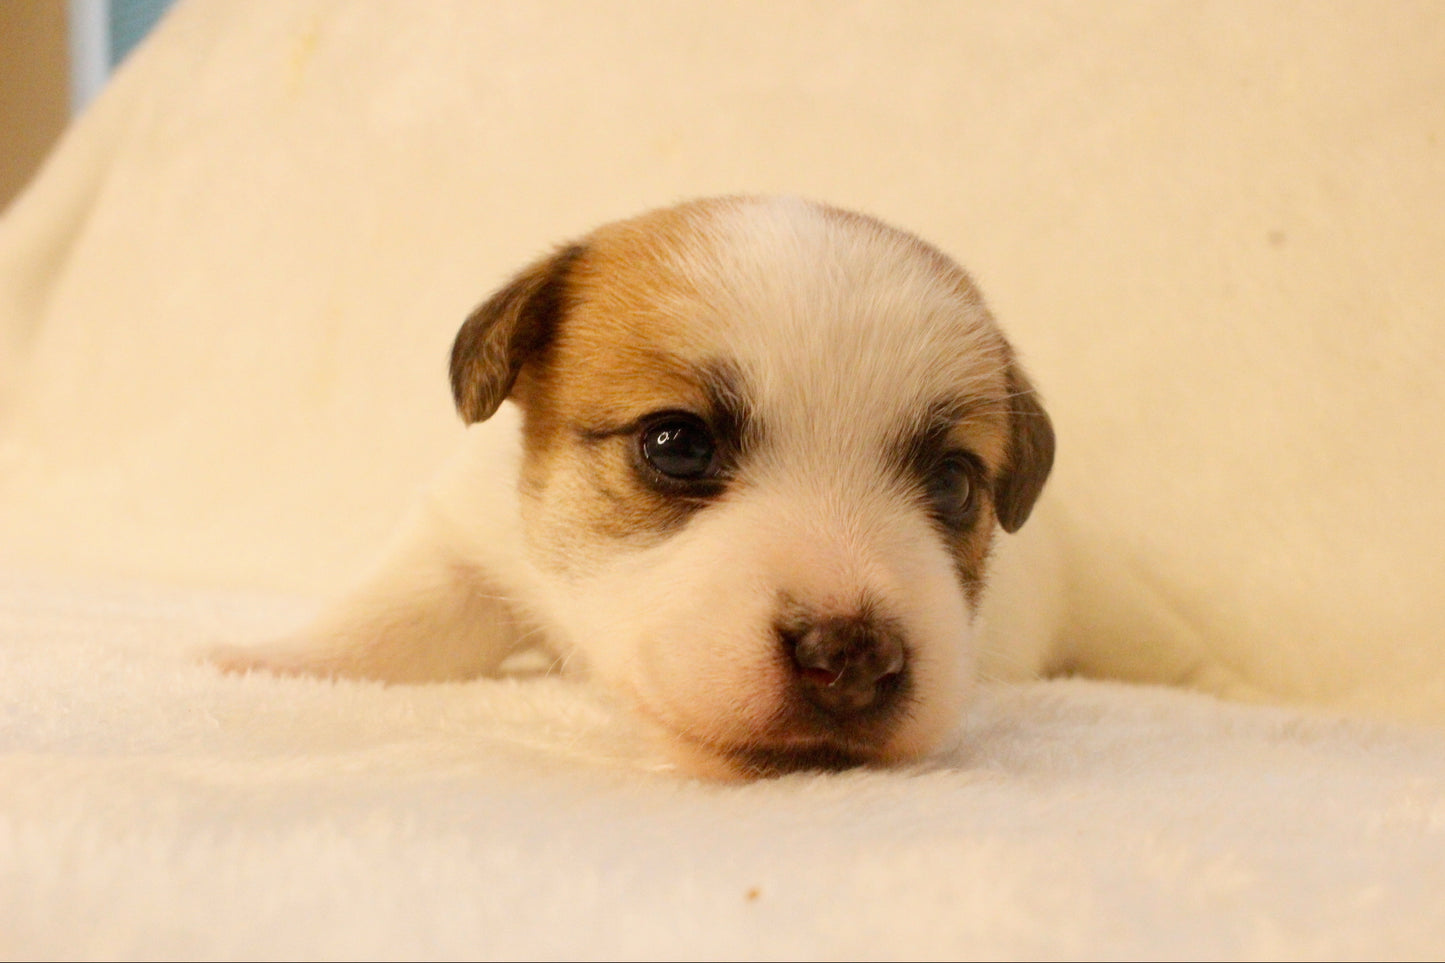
{"x": 276, "y": 659}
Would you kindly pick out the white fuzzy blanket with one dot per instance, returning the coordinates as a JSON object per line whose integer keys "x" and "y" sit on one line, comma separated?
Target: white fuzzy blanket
{"x": 1214, "y": 228}
{"x": 150, "y": 807}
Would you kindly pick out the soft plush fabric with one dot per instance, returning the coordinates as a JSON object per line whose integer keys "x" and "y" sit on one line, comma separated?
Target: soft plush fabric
{"x": 1214, "y": 231}
{"x": 152, "y": 808}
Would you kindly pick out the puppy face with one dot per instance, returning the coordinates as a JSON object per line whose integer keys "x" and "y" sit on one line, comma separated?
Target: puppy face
{"x": 767, "y": 444}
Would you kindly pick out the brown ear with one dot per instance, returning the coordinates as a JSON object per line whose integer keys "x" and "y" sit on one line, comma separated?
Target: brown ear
{"x": 1031, "y": 453}
{"x": 506, "y": 330}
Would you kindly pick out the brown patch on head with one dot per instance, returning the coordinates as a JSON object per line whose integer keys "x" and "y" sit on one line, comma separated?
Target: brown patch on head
{"x": 615, "y": 279}
{"x": 1015, "y": 441}
{"x": 999, "y": 445}
{"x": 1015, "y": 438}
{"x": 629, "y": 349}
{"x": 587, "y": 341}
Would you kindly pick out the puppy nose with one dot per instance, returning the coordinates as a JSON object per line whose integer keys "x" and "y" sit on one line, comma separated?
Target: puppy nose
{"x": 845, "y": 665}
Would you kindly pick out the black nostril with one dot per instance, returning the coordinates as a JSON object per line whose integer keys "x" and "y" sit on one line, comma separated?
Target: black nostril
{"x": 845, "y": 665}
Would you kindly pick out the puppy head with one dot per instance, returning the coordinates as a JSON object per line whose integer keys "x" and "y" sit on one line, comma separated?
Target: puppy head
{"x": 767, "y": 445}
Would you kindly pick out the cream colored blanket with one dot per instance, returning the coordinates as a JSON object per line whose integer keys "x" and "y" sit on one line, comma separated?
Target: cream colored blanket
{"x": 1215, "y": 231}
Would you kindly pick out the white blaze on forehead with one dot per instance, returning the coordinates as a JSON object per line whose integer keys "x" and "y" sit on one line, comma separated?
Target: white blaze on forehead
{"x": 837, "y": 320}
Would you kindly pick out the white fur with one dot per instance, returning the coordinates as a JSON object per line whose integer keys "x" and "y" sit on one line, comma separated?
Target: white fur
{"x": 844, "y": 336}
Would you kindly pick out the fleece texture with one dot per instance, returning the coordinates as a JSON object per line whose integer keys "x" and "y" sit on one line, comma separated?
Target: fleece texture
{"x": 1213, "y": 229}
{"x": 152, "y": 808}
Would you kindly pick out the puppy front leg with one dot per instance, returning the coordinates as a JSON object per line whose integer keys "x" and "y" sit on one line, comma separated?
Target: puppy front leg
{"x": 423, "y": 616}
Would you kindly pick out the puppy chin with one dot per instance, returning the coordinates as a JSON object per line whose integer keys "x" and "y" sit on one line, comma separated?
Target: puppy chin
{"x": 744, "y": 763}
{"x": 764, "y": 756}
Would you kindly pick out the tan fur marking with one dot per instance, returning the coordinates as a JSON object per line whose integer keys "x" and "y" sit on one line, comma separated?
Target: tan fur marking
{"x": 624, "y": 352}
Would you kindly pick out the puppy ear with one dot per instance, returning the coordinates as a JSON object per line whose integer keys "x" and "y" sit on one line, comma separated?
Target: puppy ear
{"x": 1031, "y": 453}
{"x": 508, "y": 328}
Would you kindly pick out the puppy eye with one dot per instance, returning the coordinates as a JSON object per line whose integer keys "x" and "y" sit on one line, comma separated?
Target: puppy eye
{"x": 679, "y": 446}
{"x": 951, "y": 489}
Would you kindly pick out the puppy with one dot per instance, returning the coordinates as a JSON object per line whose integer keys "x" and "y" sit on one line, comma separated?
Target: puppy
{"x": 756, "y": 459}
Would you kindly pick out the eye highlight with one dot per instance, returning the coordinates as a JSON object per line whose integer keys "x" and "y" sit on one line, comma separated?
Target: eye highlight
{"x": 678, "y": 446}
